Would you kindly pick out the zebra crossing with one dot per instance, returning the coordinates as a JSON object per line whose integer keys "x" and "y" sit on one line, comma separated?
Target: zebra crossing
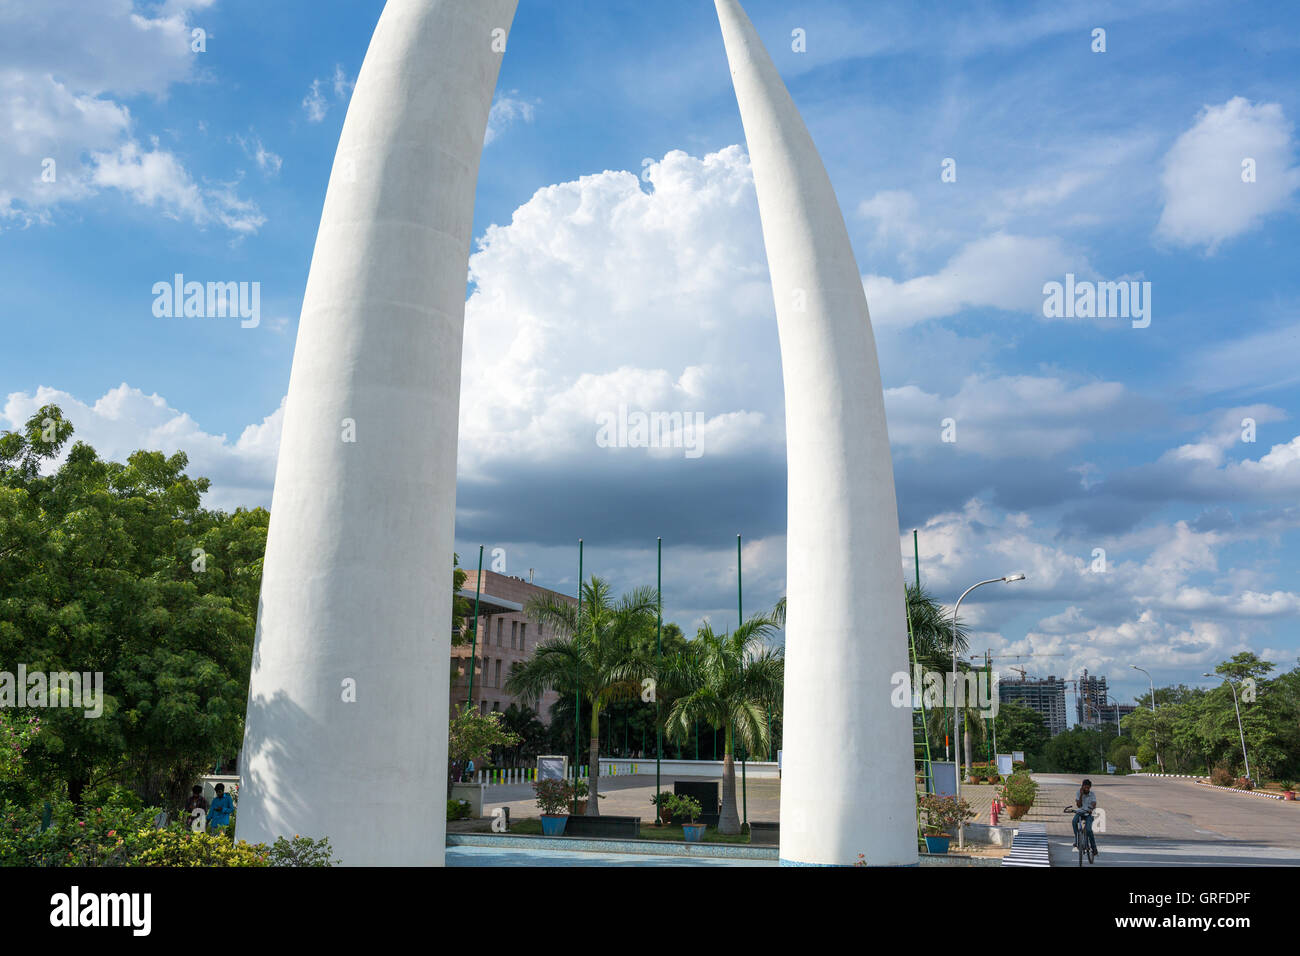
{"x": 1029, "y": 846}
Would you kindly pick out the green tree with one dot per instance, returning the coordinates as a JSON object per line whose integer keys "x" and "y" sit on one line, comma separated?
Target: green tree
{"x": 1119, "y": 752}
{"x": 728, "y": 680}
{"x": 471, "y": 736}
{"x": 1077, "y": 750}
{"x": 1020, "y": 728}
{"x": 532, "y": 736}
{"x": 117, "y": 569}
{"x": 598, "y": 653}
{"x": 933, "y": 631}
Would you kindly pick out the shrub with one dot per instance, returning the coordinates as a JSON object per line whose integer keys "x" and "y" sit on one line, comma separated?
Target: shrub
{"x": 1020, "y": 790}
{"x": 301, "y": 851}
{"x": 98, "y": 836}
{"x": 684, "y": 806}
{"x": 1244, "y": 783}
{"x": 458, "y": 809}
{"x": 178, "y": 847}
{"x": 943, "y": 813}
{"x": 554, "y": 797}
{"x": 1221, "y": 777}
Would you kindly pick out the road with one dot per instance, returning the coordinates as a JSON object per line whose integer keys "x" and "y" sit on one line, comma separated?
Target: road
{"x": 1151, "y": 821}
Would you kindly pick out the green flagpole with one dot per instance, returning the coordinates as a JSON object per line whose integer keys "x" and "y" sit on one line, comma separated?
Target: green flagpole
{"x": 740, "y": 619}
{"x": 659, "y": 663}
{"x": 473, "y": 642}
{"x": 577, "y": 697}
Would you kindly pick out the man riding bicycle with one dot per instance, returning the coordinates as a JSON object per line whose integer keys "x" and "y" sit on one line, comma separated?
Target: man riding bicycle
{"x": 1086, "y": 801}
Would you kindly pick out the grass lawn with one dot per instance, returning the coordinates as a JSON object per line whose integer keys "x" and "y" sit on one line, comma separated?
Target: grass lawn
{"x": 531, "y": 826}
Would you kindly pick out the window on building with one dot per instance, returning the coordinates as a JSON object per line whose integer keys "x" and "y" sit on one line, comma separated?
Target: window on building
{"x": 499, "y": 623}
{"x": 523, "y": 636}
{"x": 482, "y": 707}
{"x": 496, "y": 705}
{"x": 514, "y": 633}
{"x": 498, "y": 681}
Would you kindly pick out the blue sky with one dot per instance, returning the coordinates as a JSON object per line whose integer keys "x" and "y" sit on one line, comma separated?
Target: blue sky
{"x": 619, "y": 261}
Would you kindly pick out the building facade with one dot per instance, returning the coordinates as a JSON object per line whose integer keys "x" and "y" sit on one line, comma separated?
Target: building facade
{"x": 506, "y": 636}
{"x": 1090, "y": 708}
{"x": 1046, "y": 697}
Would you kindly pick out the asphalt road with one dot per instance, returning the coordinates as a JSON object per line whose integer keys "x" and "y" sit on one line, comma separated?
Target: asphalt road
{"x": 1151, "y": 821}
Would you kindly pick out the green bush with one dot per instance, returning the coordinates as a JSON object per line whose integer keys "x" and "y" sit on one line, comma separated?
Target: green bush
{"x": 943, "y": 813}
{"x": 1020, "y": 790}
{"x": 98, "y": 836}
{"x": 554, "y": 797}
{"x": 178, "y": 847}
{"x": 1221, "y": 777}
{"x": 683, "y": 806}
{"x": 301, "y": 851}
{"x": 458, "y": 809}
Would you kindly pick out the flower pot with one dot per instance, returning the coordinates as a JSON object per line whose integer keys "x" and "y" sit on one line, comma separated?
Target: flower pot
{"x": 665, "y": 816}
{"x": 694, "y": 832}
{"x": 1288, "y": 795}
{"x": 1017, "y": 810}
{"x": 937, "y": 843}
{"x": 580, "y": 808}
{"x": 554, "y": 826}
{"x": 972, "y": 779}
{"x": 994, "y": 779}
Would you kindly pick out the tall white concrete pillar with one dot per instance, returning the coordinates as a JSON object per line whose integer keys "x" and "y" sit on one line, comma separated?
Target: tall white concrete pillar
{"x": 346, "y": 732}
{"x": 847, "y": 782}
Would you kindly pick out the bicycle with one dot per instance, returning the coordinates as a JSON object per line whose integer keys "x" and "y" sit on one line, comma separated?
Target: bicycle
{"x": 1084, "y": 839}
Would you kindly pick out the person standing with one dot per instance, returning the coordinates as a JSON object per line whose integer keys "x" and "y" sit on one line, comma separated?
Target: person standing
{"x": 222, "y": 807}
{"x": 195, "y": 802}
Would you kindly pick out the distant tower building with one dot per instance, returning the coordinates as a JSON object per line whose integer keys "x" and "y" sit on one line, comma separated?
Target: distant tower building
{"x": 1090, "y": 709}
{"x": 1047, "y": 697}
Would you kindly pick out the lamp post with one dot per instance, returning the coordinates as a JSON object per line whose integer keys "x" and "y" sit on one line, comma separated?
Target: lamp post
{"x": 1240, "y": 729}
{"x": 956, "y": 743}
{"x": 1153, "y": 709}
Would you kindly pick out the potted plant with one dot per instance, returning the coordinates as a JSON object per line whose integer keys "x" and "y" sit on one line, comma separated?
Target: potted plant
{"x": 1019, "y": 793}
{"x": 581, "y": 793}
{"x": 553, "y": 799}
{"x": 663, "y": 807}
{"x": 690, "y": 808}
{"x": 1288, "y": 789}
{"x": 942, "y": 814}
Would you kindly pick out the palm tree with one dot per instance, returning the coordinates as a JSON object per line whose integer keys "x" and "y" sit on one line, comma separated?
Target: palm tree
{"x": 598, "y": 652}
{"x": 728, "y": 681}
{"x": 932, "y": 630}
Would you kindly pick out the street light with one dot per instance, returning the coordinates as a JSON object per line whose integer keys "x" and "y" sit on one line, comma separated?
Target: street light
{"x": 1007, "y": 579}
{"x": 1240, "y": 730}
{"x": 1153, "y": 710}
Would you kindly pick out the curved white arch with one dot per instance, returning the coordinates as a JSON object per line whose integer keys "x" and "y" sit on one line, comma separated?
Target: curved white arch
{"x": 846, "y": 781}
{"x": 354, "y": 582}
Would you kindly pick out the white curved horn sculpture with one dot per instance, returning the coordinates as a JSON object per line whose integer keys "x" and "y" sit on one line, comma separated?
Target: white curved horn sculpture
{"x": 355, "y": 588}
{"x": 847, "y": 776}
